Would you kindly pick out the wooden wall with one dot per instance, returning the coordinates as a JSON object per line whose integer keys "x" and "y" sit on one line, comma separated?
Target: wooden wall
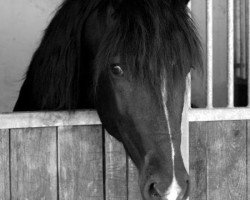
{"x": 84, "y": 162}
{"x": 68, "y": 162}
{"x": 219, "y": 160}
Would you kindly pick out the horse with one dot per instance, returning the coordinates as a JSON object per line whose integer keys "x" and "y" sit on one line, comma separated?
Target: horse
{"x": 129, "y": 60}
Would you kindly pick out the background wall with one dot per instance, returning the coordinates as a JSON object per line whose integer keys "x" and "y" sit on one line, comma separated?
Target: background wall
{"x": 22, "y": 23}
{"x": 21, "y": 26}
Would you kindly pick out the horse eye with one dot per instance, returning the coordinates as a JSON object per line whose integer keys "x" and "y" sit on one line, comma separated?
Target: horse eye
{"x": 117, "y": 70}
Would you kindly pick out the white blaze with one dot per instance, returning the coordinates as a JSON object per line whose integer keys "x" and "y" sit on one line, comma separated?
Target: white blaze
{"x": 185, "y": 124}
{"x": 174, "y": 189}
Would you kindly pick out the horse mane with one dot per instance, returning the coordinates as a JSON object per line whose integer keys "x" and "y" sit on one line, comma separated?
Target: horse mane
{"x": 149, "y": 35}
{"x": 56, "y": 66}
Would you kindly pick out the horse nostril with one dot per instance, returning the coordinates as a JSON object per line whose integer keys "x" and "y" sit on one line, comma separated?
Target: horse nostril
{"x": 186, "y": 194}
{"x": 153, "y": 191}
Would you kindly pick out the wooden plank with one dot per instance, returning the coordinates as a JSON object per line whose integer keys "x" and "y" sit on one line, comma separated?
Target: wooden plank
{"x": 80, "y": 162}
{"x": 48, "y": 119}
{"x": 4, "y": 165}
{"x": 218, "y": 114}
{"x": 197, "y": 163}
{"x": 133, "y": 182}
{"x": 33, "y": 164}
{"x": 226, "y": 160}
{"x": 116, "y": 169}
{"x": 248, "y": 159}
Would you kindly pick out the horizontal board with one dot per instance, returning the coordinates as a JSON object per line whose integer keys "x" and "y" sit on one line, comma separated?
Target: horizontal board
{"x": 218, "y": 114}
{"x": 90, "y": 117}
{"x": 48, "y": 119}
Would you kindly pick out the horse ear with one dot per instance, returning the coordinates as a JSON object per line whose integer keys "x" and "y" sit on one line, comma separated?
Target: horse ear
{"x": 55, "y": 66}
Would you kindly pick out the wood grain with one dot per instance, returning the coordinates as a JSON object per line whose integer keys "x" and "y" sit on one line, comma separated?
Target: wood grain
{"x": 226, "y": 160}
{"x": 133, "y": 183}
{"x": 197, "y": 162}
{"x": 80, "y": 163}
{"x": 116, "y": 171}
{"x": 48, "y": 119}
{"x": 33, "y": 164}
{"x": 248, "y": 159}
{"x": 4, "y": 165}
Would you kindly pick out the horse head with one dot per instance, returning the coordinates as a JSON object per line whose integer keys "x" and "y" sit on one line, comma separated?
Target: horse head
{"x": 129, "y": 60}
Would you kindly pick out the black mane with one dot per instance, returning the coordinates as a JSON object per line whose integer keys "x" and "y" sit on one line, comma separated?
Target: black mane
{"x": 149, "y": 35}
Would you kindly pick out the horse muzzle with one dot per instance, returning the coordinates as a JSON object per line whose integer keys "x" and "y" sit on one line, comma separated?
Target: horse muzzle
{"x": 161, "y": 184}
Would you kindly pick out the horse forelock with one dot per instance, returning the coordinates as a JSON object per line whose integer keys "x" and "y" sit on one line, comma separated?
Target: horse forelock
{"x": 151, "y": 37}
